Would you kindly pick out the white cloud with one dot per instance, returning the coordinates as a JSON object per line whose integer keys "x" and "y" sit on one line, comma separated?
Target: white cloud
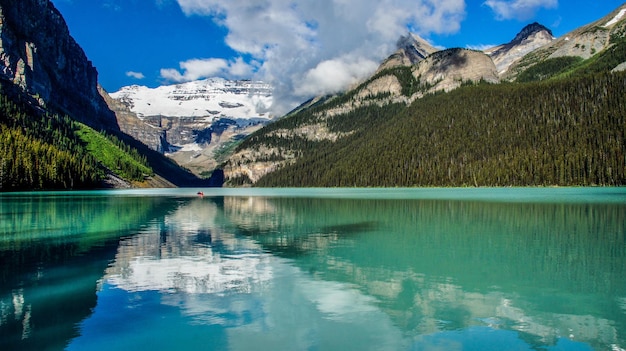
{"x": 136, "y": 75}
{"x": 519, "y": 9}
{"x": 303, "y": 46}
{"x": 239, "y": 68}
{"x": 332, "y": 76}
{"x": 481, "y": 47}
{"x": 204, "y": 68}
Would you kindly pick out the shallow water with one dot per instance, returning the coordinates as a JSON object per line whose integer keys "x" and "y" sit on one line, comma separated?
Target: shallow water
{"x": 315, "y": 269}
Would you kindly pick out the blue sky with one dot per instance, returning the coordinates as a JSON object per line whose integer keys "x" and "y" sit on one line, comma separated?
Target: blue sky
{"x": 301, "y": 47}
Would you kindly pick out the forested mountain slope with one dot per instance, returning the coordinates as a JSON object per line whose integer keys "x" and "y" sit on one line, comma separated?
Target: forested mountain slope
{"x": 566, "y": 132}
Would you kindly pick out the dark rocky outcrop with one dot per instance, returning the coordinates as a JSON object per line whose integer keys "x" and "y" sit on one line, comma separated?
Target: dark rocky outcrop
{"x": 38, "y": 54}
{"x": 153, "y": 136}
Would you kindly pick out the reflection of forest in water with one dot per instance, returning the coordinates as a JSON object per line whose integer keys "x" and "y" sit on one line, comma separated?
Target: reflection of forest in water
{"x": 484, "y": 243}
{"x": 543, "y": 270}
{"x": 54, "y": 250}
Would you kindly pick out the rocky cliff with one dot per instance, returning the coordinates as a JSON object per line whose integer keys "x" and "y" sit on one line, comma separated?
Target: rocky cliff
{"x": 38, "y": 54}
{"x": 449, "y": 69}
{"x": 129, "y": 123}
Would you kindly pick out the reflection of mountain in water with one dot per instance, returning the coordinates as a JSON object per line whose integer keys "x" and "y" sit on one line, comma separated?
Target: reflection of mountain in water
{"x": 197, "y": 263}
{"x": 184, "y": 252}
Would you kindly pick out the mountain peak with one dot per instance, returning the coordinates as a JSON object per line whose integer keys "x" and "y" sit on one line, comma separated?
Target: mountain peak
{"x": 411, "y": 50}
{"x": 530, "y": 38}
{"x": 529, "y": 30}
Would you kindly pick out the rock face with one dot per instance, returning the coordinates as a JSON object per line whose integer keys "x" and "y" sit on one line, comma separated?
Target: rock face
{"x": 449, "y": 69}
{"x": 51, "y": 68}
{"x": 411, "y": 50}
{"x": 129, "y": 123}
{"x": 586, "y": 41}
{"x": 532, "y": 37}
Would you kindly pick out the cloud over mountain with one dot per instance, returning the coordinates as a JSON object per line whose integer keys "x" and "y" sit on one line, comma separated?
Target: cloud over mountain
{"x": 313, "y": 47}
{"x": 136, "y": 75}
{"x": 195, "y": 69}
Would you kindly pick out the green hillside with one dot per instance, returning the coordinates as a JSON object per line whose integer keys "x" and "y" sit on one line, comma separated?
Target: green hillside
{"x": 39, "y": 150}
{"x": 114, "y": 154}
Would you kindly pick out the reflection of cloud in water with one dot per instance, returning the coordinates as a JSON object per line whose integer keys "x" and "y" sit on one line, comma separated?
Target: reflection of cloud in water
{"x": 194, "y": 215}
{"x": 210, "y": 273}
{"x": 336, "y": 300}
{"x": 267, "y": 300}
{"x": 172, "y": 256}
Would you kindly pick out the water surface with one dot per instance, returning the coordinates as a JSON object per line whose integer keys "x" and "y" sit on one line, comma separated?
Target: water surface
{"x": 314, "y": 269}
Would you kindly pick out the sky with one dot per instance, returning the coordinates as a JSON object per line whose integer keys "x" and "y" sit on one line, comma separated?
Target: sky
{"x": 303, "y": 48}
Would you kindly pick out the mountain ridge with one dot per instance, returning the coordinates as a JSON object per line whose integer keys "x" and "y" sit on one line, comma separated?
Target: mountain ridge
{"x": 531, "y": 37}
{"x": 584, "y": 42}
{"x": 182, "y": 138}
{"x": 211, "y": 97}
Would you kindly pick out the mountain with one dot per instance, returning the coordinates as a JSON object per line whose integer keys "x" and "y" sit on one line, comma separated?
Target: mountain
{"x": 532, "y": 37}
{"x": 584, "y": 43}
{"x": 56, "y": 128}
{"x": 214, "y": 97}
{"x": 400, "y": 83}
{"x": 193, "y": 122}
{"x": 444, "y": 121}
{"x": 52, "y": 68}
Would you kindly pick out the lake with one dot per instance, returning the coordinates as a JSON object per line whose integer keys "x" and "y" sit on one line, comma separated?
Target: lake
{"x": 314, "y": 269}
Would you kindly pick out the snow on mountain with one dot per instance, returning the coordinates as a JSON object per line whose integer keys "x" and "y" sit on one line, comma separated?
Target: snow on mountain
{"x": 211, "y": 98}
{"x": 616, "y": 19}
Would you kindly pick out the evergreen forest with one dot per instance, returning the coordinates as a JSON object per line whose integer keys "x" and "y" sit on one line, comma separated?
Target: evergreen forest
{"x": 565, "y": 131}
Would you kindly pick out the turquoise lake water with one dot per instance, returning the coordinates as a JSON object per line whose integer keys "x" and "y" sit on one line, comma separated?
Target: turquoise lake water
{"x": 314, "y": 269}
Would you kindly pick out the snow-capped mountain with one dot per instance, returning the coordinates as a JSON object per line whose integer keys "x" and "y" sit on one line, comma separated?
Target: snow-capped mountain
{"x": 193, "y": 122}
{"x": 214, "y": 97}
